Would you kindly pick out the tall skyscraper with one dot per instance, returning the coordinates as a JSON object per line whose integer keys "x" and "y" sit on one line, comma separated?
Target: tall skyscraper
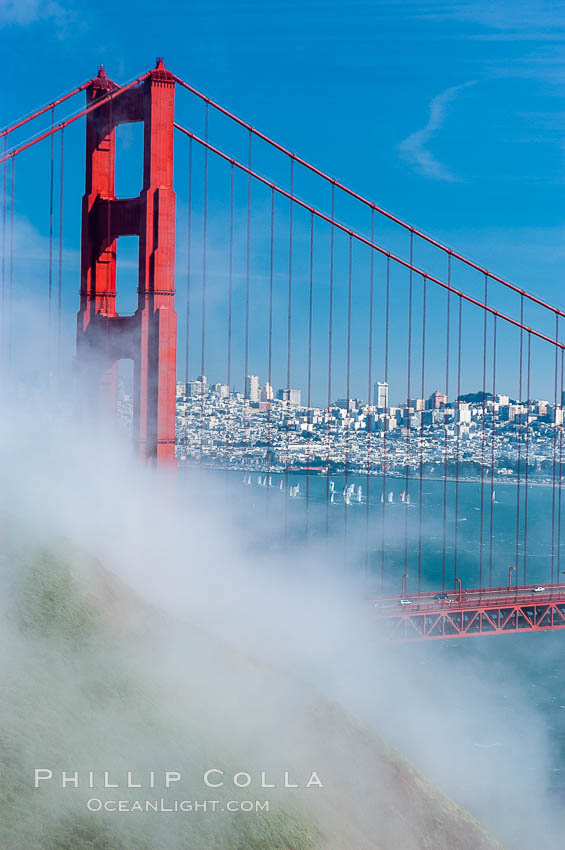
{"x": 252, "y": 388}
{"x": 381, "y": 395}
{"x": 267, "y": 392}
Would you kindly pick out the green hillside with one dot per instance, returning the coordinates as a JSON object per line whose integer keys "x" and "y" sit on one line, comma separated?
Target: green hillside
{"x": 94, "y": 680}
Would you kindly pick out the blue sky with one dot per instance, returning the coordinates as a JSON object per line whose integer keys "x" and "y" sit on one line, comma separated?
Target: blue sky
{"x": 450, "y": 114}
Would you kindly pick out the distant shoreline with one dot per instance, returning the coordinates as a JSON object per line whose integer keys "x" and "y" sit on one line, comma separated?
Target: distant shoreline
{"x": 394, "y": 476}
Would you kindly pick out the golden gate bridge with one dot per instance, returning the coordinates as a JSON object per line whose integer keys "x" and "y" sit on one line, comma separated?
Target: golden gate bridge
{"x": 287, "y": 267}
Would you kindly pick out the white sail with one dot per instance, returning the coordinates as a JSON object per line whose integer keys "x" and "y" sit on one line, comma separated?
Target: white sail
{"x": 281, "y": 485}
{"x": 402, "y": 496}
{"x": 407, "y": 498}
{"x": 391, "y": 497}
{"x": 359, "y": 494}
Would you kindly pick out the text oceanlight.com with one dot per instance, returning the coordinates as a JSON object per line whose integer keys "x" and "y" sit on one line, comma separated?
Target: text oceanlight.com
{"x": 187, "y": 806}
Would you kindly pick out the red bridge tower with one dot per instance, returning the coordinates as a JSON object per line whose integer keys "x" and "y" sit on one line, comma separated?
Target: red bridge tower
{"x": 148, "y": 337}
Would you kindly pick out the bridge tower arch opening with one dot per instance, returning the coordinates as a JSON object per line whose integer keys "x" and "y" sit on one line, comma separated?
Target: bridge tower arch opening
{"x": 148, "y": 337}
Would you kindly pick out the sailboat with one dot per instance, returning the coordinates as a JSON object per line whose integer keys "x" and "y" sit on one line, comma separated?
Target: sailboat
{"x": 332, "y": 498}
{"x": 494, "y": 497}
{"x": 402, "y": 495}
{"x": 346, "y": 498}
{"x": 332, "y": 487}
{"x": 407, "y": 500}
{"x": 281, "y": 485}
{"x": 391, "y": 497}
{"x": 382, "y": 499}
{"x": 359, "y": 494}
{"x": 258, "y": 479}
{"x": 269, "y": 482}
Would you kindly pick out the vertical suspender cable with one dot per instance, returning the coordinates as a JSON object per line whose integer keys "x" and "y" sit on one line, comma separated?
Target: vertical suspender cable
{"x": 386, "y": 424}
{"x": 369, "y": 399}
{"x": 554, "y": 457}
{"x": 492, "y": 452}
{"x": 408, "y": 405}
{"x": 420, "y": 506}
{"x": 203, "y": 337}
{"x": 527, "y": 460}
{"x": 3, "y": 279}
{"x": 458, "y": 446}
{"x": 483, "y": 443}
{"x": 230, "y": 295}
{"x": 188, "y": 266}
{"x": 346, "y": 498}
{"x": 270, "y": 363}
{"x": 330, "y": 345}
{"x": 519, "y": 460}
{"x": 309, "y": 400}
{"x": 11, "y": 269}
{"x": 289, "y": 340}
{"x": 560, "y": 477}
{"x": 50, "y": 269}
{"x": 445, "y": 443}
{"x": 247, "y": 287}
{"x": 60, "y": 258}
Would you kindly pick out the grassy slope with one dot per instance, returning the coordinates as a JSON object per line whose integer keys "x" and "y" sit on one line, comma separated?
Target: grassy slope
{"x": 76, "y": 698}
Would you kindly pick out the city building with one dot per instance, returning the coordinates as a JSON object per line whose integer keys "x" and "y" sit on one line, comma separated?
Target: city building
{"x": 252, "y": 388}
{"x": 197, "y": 388}
{"x": 381, "y": 395}
{"x": 293, "y": 397}
{"x": 436, "y": 401}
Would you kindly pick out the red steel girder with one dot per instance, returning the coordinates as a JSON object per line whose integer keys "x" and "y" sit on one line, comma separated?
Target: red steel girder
{"x": 472, "y": 615}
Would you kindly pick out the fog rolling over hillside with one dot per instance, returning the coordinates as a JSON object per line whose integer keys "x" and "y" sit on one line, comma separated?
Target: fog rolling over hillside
{"x": 147, "y": 625}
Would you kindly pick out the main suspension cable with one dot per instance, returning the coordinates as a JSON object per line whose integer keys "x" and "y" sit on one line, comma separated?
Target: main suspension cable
{"x": 380, "y": 210}
{"x": 358, "y": 237}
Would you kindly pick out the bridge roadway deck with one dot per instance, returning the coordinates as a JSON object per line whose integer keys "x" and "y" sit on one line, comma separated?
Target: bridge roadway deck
{"x": 467, "y": 613}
